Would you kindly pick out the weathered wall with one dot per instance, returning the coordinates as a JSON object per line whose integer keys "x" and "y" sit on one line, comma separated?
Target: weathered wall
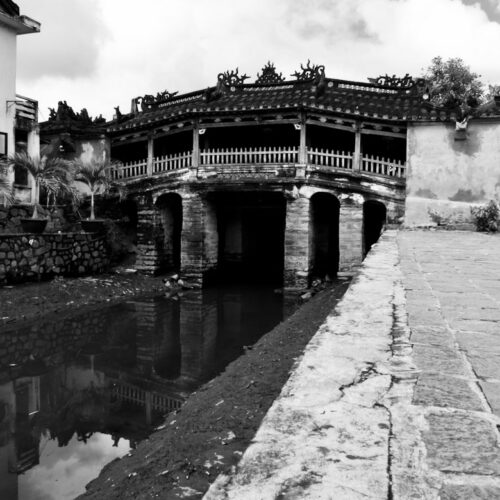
{"x": 33, "y": 257}
{"x": 447, "y": 175}
{"x": 85, "y": 149}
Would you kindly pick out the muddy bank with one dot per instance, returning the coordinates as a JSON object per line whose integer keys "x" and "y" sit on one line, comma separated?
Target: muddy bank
{"x": 32, "y": 300}
{"x": 216, "y": 424}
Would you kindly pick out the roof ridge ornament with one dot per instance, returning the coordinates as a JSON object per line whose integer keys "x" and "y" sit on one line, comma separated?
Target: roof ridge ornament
{"x": 406, "y": 82}
{"x": 149, "y": 101}
{"x": 269, "y": 75}
{"x": 231, "y": 78}
{"x": 309, "y": 72}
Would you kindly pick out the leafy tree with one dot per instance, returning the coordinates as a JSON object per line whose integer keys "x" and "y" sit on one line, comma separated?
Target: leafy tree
{"x": 96, "y": 175}
{"x": 453, "y": 83}
{"x": 493, "y": 90}
{"x": 52, "y": 174}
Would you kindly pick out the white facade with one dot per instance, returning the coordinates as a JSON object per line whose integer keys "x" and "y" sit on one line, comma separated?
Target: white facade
{"x": 12, "y": 107}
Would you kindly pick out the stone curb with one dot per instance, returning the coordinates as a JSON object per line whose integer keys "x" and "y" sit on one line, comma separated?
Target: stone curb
{"x": 327, "y": 434}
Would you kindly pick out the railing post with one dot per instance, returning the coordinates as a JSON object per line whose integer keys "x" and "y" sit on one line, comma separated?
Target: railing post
{"x": 150, "y": 156}
{"x": 195, "y": 154}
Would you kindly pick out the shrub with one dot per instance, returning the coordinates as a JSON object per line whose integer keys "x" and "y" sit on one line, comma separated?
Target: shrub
{"x": 486, "y": 217}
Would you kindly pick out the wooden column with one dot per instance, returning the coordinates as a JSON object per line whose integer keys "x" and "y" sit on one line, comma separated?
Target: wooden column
{"x": 195, "y": 159}
{"x": 150, "y": 155}
{"x": 356, "y": 163}
{"x": 302, "y": 146}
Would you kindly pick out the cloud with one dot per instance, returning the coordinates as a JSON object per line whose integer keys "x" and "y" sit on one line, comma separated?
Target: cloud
{"x": 490, "y": 7}
{"x": 329, "y": 20}
{"x": 182, "y": 46}
{"x": 69, "y": 43}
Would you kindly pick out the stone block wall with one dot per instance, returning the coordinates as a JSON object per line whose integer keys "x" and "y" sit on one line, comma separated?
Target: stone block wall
{"x": 10, "y": 218}
{"x": 350, "y": 236}
{"x": 149, "y": 240}
{"x": 25, "y": 257}
{"x": 199, "y": 241}
{"x": 297, "y": 247}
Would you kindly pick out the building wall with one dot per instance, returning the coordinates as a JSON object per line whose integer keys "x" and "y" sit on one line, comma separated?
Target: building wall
{"x": 7, "y": 83}
{"x": 449, "y": 176}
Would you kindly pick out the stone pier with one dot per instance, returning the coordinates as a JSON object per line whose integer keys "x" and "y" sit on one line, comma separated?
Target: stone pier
{"x": 297, "y": 246}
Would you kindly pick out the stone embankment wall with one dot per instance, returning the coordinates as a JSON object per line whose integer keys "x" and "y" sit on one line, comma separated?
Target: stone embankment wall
{"x": 25, "y": 257}
{"x": 10, "y": 218}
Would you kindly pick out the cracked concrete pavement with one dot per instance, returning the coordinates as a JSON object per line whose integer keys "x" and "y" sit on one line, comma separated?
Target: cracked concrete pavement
{"x": 397, "y": 395}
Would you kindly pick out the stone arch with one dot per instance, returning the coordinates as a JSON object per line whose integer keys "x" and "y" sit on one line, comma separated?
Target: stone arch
{"x": 374, "y": 219}
{"x": 324, "y": 235}
{"x": 169, "y": 207}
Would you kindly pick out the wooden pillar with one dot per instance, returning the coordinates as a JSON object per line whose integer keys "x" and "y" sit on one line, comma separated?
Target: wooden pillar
{"x": 297, "y": 252}
{"x": 303, "y": 145}
{"x": 150, "y": 155}
{"x": 195, "y": 159}
{"x": 357, "y": 159}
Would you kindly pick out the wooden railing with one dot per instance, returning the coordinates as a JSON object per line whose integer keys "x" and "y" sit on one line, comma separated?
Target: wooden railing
{"x": 130, "y": 170}
{"x": 172, "y": 162}
{"x": 249, "y": 156}
{"x": 381, "y": 166}
{"x": 257, "y": 159}
{"x": 326, "y": 158}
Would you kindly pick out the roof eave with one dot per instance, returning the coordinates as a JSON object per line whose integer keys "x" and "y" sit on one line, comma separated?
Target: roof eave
{"x": 22, "y": 25}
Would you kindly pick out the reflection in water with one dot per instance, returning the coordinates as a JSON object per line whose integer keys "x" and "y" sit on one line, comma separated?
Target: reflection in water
{"x": 79, "y": 391}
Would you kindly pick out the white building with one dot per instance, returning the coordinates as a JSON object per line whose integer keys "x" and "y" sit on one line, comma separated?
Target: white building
{"x": 18, "y": 114}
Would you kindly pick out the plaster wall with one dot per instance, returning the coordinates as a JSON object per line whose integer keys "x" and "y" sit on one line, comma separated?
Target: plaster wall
{"x": 448, "y": 176}
{"x": 8, "y": 45}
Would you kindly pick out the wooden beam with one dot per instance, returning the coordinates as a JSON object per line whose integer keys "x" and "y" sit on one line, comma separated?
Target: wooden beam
{"x": 384, "y": 133}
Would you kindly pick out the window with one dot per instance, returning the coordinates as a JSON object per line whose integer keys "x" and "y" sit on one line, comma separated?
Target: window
{"x": 3, "y": 143}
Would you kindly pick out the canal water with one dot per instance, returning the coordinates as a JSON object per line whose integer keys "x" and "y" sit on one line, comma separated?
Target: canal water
{"x": 83, "y": 389}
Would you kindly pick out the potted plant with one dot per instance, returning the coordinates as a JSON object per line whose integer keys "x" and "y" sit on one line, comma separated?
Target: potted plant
{"x": 96, "y": 175}
{"x": 47, "y": 172}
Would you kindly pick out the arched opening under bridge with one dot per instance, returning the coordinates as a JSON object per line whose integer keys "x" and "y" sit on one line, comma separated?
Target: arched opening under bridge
{"x": 324, "y": 235}
{"x": 169, "y": 206}
{"x": 251, "y": 228}
{"x": 374, "y": 218}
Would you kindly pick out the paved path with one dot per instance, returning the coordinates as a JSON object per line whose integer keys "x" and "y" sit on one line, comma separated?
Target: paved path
{"x": 397, "y": 396}
{"x": 452, "y": 288}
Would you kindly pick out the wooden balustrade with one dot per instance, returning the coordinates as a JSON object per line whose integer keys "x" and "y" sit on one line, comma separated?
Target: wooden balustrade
{"x": 130, "y": 170}
{"x": 381, "y": 166}
{"x": 262, "y": 156}
{"x": 327, "y": 158}
{"x": 172, "y": 162}
{"x": 249, "y": 156}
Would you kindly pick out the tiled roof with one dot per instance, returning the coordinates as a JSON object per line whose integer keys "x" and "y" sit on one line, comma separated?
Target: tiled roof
{"x": 9, "y": 7}
{"x": 330, "y": 96}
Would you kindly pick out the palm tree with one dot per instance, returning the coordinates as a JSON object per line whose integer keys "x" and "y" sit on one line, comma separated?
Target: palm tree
{"x": 96, "y": 175}
{"x": 51, "y": 173}
{"x": 5, "y": 186}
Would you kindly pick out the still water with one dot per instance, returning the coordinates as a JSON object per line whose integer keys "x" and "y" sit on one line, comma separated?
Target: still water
{"x": 81, "y": 390}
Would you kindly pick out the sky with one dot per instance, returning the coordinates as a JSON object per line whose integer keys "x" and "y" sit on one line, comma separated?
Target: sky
{"x": 99, "y": 54}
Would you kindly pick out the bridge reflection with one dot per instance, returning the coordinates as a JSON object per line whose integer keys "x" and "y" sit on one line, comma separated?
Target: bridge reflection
{"x": 118, "y": 370}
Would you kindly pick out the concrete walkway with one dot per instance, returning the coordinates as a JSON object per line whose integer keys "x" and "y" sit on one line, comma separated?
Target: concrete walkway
{"x": 397, "y": 396}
